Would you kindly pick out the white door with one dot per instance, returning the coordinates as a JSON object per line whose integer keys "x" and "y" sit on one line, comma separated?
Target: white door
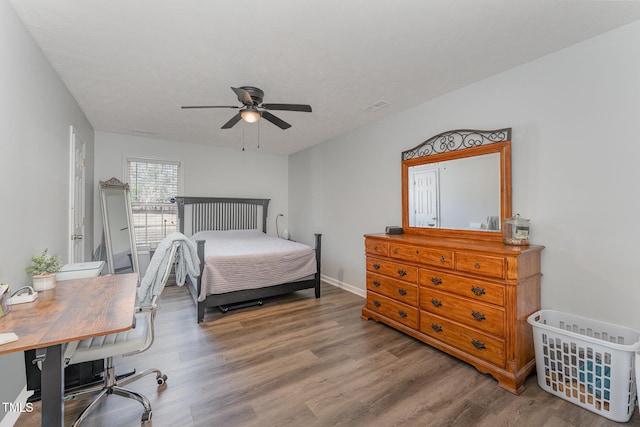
{"x": 426, "y": 197}
{"x": 76, "y": 197}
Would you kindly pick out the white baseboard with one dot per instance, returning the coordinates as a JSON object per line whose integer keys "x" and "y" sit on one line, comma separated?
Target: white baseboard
{"x": 11, "y": 417}
{"x": 347, "y": 287}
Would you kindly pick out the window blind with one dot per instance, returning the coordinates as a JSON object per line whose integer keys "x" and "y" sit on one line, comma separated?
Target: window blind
{"x": 153, "y": 183}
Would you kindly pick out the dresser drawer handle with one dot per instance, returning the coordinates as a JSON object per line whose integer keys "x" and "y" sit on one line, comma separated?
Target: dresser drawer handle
{"x": 375, "y": 248}
{"x": 402, "y": 291}
{"x": 478, "y": 290}
{"x": 477, "y": 265}
{"x": 478, "y": 316}
{"x": 402, "y": 314}
{"x": 436, "y": 281}
{"x": 436, "y": 327}
{"x": 402, "y": 273}
{"x": 395, "y": 251}
{"x": 376, "y": 303}
{"x": 376, "y": 266}
{"x": 436, "y": 302}
{"x": 442, "y": 258}
{"x": 478, "y": 344}
{"x": 417, "y": 252}
{"x": 376, "y": 283}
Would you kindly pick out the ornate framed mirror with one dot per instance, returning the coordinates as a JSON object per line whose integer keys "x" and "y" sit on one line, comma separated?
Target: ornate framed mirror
{"x": 458, "y": 184}
{"x": 117, "y": 219}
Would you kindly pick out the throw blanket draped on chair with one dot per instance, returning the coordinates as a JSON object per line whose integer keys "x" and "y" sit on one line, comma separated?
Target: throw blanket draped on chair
{"x": 187, "y": 262}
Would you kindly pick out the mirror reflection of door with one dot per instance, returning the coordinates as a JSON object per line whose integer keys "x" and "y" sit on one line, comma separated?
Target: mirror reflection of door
{"x": 426, "y": 196}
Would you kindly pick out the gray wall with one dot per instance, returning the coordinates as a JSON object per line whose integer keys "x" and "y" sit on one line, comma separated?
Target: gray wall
{"x": 574, "y": 116}
{"x": 477, "y": 192}
{"x": 206, "y": 171}
{"x": 36, "y": 110}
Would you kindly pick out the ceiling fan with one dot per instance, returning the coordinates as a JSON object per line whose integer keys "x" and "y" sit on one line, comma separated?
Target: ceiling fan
{"x": 253, "y": 108}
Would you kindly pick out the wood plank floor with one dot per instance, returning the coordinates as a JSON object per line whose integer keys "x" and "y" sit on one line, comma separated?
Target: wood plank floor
{"x": 301, "y": 361}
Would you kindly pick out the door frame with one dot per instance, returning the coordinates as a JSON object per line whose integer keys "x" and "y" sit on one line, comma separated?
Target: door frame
{"x": 76, "y": 187}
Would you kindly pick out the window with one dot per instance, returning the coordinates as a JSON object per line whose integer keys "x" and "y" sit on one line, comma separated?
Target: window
{"x": 152, "y": 184}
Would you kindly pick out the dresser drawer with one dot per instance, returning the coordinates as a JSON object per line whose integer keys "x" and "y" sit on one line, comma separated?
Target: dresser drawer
{"x": 406, "y": 252}
{"x": 396, "y": 289}
{"x": 393, "y": 269}
{"x": 467, "y": 339}
{"x": 376, "y": 247}
{"x": 485, "y": 265}
{"x": 487, "y": 318}
{"x": 470, "y": 288}
{"x": 394, "y": 310}
{"x": 431, "y": 256}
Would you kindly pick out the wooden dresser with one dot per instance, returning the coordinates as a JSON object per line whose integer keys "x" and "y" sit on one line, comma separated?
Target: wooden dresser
{"x": 468, "y": 298}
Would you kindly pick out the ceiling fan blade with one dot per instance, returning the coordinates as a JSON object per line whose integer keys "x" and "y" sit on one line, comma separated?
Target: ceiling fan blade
{"x": 209, "y": 106}
{"x": 288, "y": 107}
{"x": 235, "y": 119}
{"x": 275, "y": 120}
{"x": 243, "y": 96}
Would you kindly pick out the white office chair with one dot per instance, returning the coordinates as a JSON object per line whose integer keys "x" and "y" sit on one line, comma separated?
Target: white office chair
{"x": 126, "y": 343}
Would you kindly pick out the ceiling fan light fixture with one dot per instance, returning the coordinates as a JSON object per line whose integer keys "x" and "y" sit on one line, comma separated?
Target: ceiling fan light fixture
{"x": 253, "y": 109}
{"x": 250, "y": 115}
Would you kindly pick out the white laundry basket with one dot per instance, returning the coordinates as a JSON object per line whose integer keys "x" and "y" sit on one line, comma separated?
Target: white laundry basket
{"x": 587, "y": 362}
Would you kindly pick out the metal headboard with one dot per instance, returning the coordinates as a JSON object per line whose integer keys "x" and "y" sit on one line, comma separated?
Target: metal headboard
{"x": 221, "y": 213}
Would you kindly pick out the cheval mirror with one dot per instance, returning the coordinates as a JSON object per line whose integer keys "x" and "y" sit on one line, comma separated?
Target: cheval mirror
{"x": 117, "y": 219}
{"x": 458, "y": 184}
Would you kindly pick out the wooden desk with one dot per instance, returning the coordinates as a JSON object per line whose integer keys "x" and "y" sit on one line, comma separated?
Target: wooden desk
{"x": 73, "y": 310}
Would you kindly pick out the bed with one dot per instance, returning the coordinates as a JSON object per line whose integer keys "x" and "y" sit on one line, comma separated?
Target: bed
{"x": 239, "y": 263}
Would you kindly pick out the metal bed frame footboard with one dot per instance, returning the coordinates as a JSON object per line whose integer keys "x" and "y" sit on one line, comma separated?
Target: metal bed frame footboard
{"x": 230, "y": 213}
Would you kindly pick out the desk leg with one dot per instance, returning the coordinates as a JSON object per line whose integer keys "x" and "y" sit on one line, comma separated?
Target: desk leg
{"x": 53, "y": 387}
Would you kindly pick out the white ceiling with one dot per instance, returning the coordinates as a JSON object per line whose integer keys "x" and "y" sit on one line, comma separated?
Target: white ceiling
{"x": 131, "y": 64}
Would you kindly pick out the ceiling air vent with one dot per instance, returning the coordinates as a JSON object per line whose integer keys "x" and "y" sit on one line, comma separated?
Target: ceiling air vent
{"x": 378, "y": 105}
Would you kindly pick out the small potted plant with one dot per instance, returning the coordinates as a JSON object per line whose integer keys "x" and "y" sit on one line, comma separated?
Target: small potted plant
{"x": 43, "y": 269}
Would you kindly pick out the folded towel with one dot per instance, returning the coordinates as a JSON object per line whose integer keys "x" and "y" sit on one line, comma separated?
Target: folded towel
{"x": 187, "y": 262}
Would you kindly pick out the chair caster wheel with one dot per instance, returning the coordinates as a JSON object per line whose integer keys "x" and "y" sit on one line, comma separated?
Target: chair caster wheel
{"x": 146, "y": 417}
{"x": 161, "y": 379}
